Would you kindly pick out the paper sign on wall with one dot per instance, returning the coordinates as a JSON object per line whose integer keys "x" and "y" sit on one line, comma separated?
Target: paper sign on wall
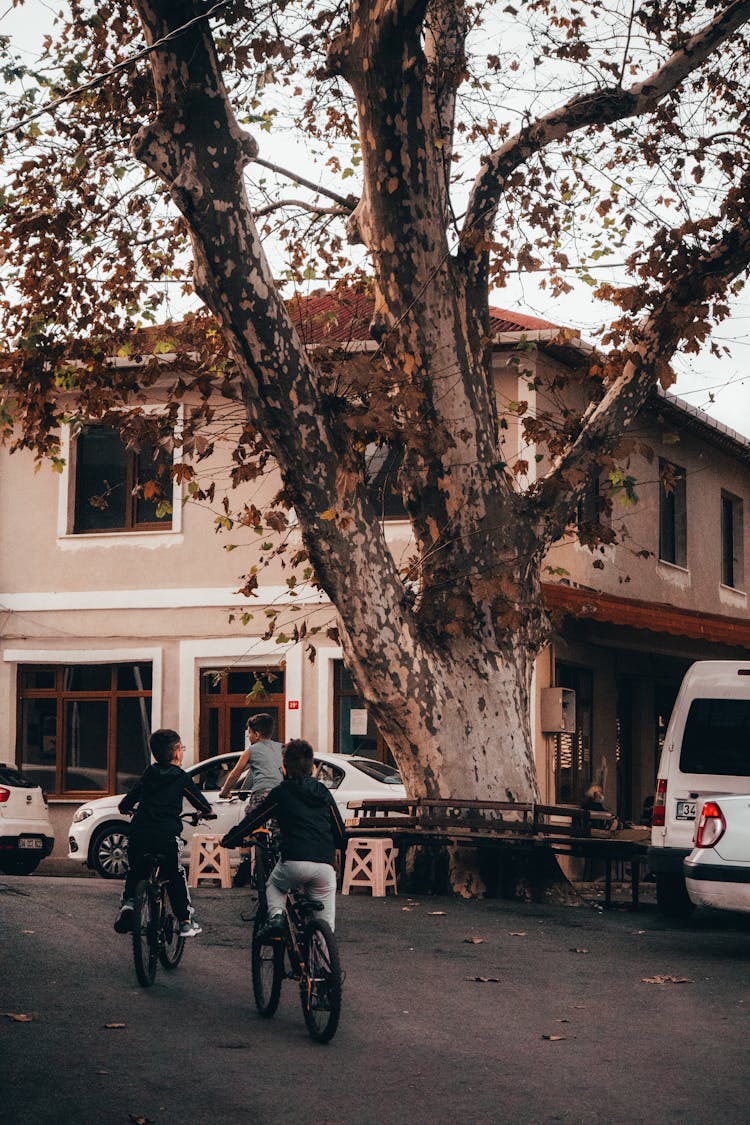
{"x": 358, "y": 721}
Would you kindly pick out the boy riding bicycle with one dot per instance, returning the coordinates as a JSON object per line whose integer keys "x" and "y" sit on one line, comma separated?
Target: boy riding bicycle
{"x": 157, "y": 798}
{"x": 311, "y": 831}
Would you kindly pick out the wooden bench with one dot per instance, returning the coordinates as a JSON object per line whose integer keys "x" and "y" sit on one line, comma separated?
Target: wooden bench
{"x": 563, "y": 829}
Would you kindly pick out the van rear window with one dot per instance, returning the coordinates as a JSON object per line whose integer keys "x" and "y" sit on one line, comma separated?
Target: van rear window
{"x": 717, "y": 737}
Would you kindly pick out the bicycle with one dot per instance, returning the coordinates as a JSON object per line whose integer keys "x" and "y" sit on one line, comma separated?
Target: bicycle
{"x": 306, "y": 953}
{"x": 156, "y": 930}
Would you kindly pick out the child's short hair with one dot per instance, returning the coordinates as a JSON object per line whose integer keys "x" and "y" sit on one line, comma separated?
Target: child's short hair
{"x": 162, "y": 744}
{"x": 262, "y": 724}
{"x": 298, "y": 759}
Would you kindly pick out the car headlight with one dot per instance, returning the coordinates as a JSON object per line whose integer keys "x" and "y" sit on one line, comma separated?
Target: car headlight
{"x": 82, "y": 814}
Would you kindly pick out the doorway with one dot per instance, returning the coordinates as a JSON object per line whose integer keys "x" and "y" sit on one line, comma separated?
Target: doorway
{"x": 229, "y": 698}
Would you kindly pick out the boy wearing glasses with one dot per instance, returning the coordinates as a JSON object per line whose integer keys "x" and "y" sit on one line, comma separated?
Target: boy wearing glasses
{"x": 157, "y": 798}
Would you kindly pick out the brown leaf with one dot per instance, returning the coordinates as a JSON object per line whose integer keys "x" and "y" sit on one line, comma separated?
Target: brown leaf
{"x": 666, "y": 980}
{"x": 436, "y": 913}
{"x": 473, "y": 940}
{"x": 517, "y": 933}
{"x": 110, "y": 1026}
{"x": 20, "y": 1017}
{"x": 574, "y": 950}
{"x": 553, "y": 1038}
{"x": 139, "y": 1119}
{"x": 485, "y": 980}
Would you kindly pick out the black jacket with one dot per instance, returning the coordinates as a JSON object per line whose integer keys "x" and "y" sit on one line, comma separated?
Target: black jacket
{"x": 309, "y": 820}
{"x": 159, "y": 795}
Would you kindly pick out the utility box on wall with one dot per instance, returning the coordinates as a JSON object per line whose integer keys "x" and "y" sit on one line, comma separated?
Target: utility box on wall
{"x": 558, "y": 710}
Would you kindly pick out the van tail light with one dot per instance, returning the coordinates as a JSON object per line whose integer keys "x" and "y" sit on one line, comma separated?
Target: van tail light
{"x": 659, "y": 814}
{"x": 711, "y": 826}
{"x": 4, "y": 794}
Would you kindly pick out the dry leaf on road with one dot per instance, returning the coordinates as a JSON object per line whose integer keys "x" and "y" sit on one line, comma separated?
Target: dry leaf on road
{"x": 20, "y": 1017}
{"x": 666, "y": 980}
{"x": 553, "y": 1038}
{"x": 473, "y": 940}
{"x": 434, "y": 913}
{"x": 574, "y": 950}
{"x": 484, "y": 980}
{"x": 111, "y": 1026}
{"x": 517, "y": 933}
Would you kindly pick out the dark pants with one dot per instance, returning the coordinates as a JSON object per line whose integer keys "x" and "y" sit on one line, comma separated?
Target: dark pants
{"x": 140, "y": 847}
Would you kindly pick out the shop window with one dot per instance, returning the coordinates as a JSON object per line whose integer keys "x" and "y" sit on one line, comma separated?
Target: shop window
{"x": 354, "y": 731}
{"x": 732, "y": 541}
{"x": 119, "y": 489}
{"x": 672, "y": 514}
{"x": 84, "y": 729}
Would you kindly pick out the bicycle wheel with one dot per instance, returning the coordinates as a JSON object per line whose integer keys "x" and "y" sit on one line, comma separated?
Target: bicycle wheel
{"x": 171, "y": 945}
{"x": 320, "y": 986}
{"x": 145, "y": 933}
{"x": 268, "y": 969}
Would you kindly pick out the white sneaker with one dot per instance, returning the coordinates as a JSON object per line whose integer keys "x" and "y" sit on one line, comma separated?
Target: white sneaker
{"x": 190, "y": 928}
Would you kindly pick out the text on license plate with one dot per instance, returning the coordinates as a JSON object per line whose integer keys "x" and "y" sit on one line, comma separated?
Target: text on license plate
{"x": 30, "y": 842}
{"x": 686, "y": 810}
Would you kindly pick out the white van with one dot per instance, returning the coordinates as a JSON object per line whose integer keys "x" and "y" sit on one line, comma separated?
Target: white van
{"x": 706, "y": 754}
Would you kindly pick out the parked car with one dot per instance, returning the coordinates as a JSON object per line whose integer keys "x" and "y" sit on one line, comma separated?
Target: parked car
{"x": 26, "y": 835}
{"x": 717, "y": 871}
{"x": 98, "y": 834}
{"x": 706, "y": 755}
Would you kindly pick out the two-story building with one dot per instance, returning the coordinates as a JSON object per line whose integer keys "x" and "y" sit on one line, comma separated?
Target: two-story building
{"x": 118, "y": 616}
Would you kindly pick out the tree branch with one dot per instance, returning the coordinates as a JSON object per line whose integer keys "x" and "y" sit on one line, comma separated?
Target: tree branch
{"x": 302, "y": 206}
{"x": 601, "y": 107}
{"x": 347, "y": 202}
{"x": 703, "y": 278}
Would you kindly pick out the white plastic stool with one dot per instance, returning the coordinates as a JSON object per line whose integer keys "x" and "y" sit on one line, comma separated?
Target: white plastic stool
{"x": 208, "y": 860}
{"x": 370, "y": 862}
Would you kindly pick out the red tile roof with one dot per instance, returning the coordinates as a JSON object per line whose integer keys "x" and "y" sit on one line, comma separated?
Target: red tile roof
{"x": 656, "y": 617}
{"x": 342, "y": 318}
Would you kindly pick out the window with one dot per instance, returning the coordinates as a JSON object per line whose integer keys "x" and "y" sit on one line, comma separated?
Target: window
{"x": 354, "y": 730}
{"x": 593, "y": 514}
{"x": 717, "y": 737}
{"x": 84, "y": 728}
{"x": 732, "y": 536}
{"x": 672, "y": 514}
{"x": 229, "y": 698}
{"x": 382, "y": 464}
{"x": 119, "y": 489}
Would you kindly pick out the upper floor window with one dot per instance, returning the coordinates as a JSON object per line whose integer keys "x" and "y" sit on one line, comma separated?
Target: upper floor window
{"x": 382, "y": 464}
{"x": 593, "y": 514}
{"x": 119, "y": 489}
{"x": 672, "y": 514}
{"x": 732, "y": 541}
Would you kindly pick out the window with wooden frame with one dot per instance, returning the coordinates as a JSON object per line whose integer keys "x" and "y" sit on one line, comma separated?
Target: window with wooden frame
{"x": 228, "y": 697}
{"x": 83, "y": 729}
{"x": 120, "y": 489}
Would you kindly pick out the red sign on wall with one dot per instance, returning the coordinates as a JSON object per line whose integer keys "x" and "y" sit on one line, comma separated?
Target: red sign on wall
{"x": 293, "y": 704}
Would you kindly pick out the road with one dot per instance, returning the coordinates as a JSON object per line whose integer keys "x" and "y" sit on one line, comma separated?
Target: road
{"x": 454, "y": 1012}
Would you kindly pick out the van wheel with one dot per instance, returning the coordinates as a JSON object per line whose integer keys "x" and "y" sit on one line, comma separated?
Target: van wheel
{"x": 672, "y": 897}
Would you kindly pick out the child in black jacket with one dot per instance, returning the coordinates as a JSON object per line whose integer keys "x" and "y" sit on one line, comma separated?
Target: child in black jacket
{"x": 311, "y": 830}
{"x": 157, "y": 799}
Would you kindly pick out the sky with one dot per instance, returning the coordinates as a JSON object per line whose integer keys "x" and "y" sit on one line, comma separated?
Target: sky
{"x": 720, "y": 387}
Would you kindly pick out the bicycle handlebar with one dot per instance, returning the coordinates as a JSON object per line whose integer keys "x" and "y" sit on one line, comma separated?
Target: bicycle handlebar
{"x": 195, "y": 817}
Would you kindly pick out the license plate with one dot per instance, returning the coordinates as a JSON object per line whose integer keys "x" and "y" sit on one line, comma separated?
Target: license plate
{"x": 686, "y": 810}
{"x": 30, "y": 842}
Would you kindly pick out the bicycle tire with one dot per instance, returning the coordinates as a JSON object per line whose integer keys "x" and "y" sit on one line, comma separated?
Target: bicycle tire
{"x": 267, "y": 961}
{"x": 320, "y": 984}
{"x": 171, "y": 945}
{"x": 145, "y": 933}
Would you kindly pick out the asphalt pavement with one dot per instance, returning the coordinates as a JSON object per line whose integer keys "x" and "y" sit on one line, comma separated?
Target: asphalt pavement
{"x": 480, "y": 1011}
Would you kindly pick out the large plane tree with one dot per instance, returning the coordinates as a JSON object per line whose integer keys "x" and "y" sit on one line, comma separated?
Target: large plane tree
{"x": 457, "y": 143}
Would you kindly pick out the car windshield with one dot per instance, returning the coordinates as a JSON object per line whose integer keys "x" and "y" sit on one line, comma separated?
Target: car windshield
{"x": 9, "y": 776}
{"x": 379, "y": 770}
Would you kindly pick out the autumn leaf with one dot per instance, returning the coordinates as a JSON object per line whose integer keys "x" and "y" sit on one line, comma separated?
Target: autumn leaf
{"x": 666, "y": 980}
{"x": 435, "y": 913}
{"x": 328, "y": 514}
{"x": 574, "y": 950}
{"x": 20, "y": 1017}
{"x": 517, "y": 933}
{"x": 484, "y": 980}
{"x": 139, "y": 1119}
{"x": 553, "y": 1038}
{"x": 112, "y": 1026}
{"x": 473, "y": 940}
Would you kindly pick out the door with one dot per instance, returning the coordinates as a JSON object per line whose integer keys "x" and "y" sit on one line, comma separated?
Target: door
{"x": 229, "y": 698}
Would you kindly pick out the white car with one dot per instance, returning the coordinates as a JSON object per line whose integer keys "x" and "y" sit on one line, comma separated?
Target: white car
{"x": 717, "y": 871}
{"x": 98, "y": 834}
{"x": 26, "y": 835}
